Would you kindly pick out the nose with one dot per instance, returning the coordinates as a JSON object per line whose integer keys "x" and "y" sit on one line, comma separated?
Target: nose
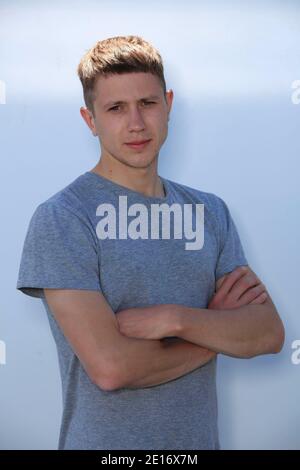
{"x": 135, "y": 120}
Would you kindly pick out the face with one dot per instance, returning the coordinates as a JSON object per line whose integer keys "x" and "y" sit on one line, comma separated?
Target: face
{"x": 129, "y": 108}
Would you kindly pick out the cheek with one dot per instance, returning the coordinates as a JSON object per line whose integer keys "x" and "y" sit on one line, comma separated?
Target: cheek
{"x": 110, "y": 134}
{"x": 158, "y": 123}
{"x": 163, "y": 129}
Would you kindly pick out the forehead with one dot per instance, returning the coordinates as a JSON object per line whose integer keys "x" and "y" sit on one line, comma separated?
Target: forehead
{"x": 126, "y": 87}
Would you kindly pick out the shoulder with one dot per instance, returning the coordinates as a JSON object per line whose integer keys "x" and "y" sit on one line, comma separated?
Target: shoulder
{"x": 80, "y": 198}
{"x": 70, "y": 201}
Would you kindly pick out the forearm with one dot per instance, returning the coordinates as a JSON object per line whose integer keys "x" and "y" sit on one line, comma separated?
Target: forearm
{"x": 240, "y": 319}
{"x": 146, "y": 363}
{"x": 245, "y": 332}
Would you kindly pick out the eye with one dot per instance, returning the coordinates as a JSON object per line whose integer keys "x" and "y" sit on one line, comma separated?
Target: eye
{"x": 114, "y": 108}
{"x": 149, "y": 102}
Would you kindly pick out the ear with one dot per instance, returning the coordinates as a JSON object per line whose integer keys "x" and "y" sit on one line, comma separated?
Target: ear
{"x": 89, "y": 119}
{"x": 169, "y": 98}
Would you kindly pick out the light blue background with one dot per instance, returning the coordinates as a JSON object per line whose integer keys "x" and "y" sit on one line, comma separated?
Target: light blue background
{"x": 234, "y": 131}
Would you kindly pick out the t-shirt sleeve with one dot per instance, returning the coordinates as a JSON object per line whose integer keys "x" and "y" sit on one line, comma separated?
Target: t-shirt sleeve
{"x": 60, "y": 251}
{"x": 231, "y": 252}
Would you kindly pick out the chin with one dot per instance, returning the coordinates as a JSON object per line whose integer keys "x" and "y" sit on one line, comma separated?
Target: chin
{"x": 139, "y": 161}
{"x": 141, "y": 164}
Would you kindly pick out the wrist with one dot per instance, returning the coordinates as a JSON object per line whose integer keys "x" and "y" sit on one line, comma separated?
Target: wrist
{"x": 187, "y": 320}
{"x": 171, "y": 320}
{"x": 177, "y": 315}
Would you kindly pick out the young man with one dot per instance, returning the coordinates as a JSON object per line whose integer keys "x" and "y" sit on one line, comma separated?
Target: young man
{"x": 138, "y": 311}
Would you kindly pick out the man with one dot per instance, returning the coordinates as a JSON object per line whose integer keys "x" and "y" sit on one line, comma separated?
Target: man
{"x": 138, "y": 311}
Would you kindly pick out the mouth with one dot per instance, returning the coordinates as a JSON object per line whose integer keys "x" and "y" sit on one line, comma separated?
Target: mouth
{"x": 138, "y": 145}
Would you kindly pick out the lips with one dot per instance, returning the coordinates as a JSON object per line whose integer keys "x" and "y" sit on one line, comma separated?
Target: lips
{"x": 138, "y": 144}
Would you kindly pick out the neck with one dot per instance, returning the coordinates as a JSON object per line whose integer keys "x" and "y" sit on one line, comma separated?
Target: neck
{"x": 143, "y": 180}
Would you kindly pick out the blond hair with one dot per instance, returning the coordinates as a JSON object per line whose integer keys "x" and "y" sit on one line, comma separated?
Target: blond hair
{"x": 117, "y": 55}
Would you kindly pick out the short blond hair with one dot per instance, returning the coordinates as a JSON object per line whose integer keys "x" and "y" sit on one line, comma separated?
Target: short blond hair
{"x": 117, "y": 55}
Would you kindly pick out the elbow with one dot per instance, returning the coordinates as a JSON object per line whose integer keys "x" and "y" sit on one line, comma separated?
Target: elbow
{"x": 274, "y": 342}
{"x": 270, "y": 344}
{"x": 108, "y": 379}
{"x": 278, "y": 339}
{"x": 277, "y": 334}
{"x": 109, "y": 384}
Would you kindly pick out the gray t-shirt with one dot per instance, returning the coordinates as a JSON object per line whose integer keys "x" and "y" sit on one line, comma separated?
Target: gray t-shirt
{"x": 64, "y": 249}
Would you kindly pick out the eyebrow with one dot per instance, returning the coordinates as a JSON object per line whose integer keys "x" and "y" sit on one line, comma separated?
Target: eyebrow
{"x": 114, "y": 103}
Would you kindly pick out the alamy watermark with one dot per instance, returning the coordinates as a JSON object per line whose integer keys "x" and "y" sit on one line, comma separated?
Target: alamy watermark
{"x": 296, "y": 93}
{"x": 114, "y": 224}
{"x": 295, "y": 357}
{"x": 2, "y": 92}
{"x": 2, "y": 353}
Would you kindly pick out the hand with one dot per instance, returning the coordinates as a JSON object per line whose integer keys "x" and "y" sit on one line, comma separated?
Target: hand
{"x": 238, "y": 288}
{"x": 148, "y": 322}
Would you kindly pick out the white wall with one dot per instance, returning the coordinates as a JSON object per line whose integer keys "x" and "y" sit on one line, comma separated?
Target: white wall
{"x": 234, "y": 131}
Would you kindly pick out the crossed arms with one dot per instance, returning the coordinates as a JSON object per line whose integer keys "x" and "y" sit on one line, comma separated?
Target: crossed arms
{"x": 128, "y": 349}
{"x": 241, "y": 319}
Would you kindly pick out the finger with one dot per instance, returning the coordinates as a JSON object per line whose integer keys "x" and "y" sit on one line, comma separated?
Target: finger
{"x": 243, "y": 284}
{"x": 230, "y": 280}
{"x": 252, "y": 294}
{"x": 220, "y": 282}
{"x": 260, "y": 299}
